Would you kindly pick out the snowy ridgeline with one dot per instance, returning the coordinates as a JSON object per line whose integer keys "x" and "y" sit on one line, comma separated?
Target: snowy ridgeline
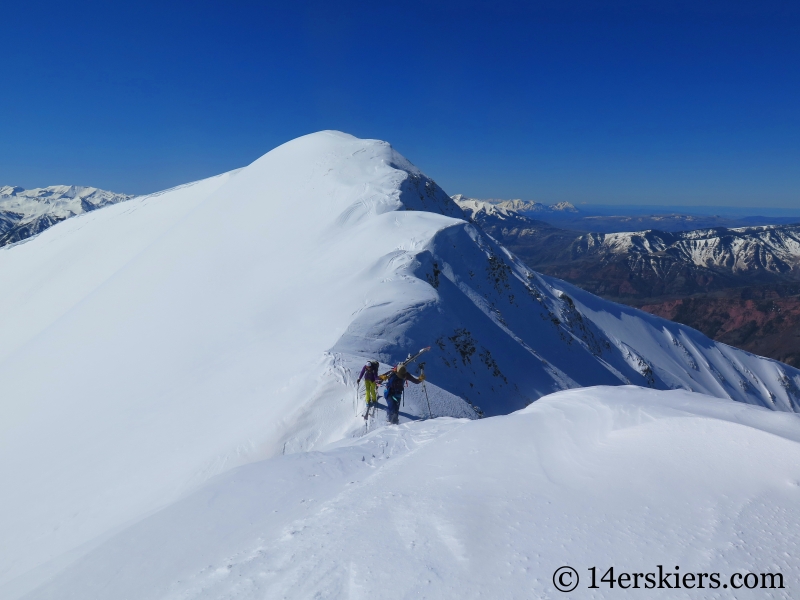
{"x": 24, "y": 213}
{"x": 154, "y": 344}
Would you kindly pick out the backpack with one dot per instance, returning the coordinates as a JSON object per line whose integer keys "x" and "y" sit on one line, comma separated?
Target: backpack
{"x": 395, "y": 384}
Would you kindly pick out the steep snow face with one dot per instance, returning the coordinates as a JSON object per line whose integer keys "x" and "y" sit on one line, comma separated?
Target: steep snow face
{"x": 771, "y": 249}
{"x": 159, "y": 342}
{"x": 24, "y": 213}
{"x": 599, "y": 477}
{"x": 506, "y": 335}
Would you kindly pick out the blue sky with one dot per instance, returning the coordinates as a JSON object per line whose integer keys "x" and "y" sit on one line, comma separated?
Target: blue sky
{"x": 597, "y": 102}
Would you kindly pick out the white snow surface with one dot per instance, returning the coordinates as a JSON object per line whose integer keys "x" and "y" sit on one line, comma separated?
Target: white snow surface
{"x": 150, "y": 346}
{"x": 452, "y": 508}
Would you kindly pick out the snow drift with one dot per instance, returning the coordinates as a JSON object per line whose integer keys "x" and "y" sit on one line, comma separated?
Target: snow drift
{"x": 156, "y": 343}
{"x": 606, "y": 477}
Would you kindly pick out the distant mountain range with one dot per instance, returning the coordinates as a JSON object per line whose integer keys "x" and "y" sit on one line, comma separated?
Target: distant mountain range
{"x": 521, "y": 206}
{"x": 663, "y": 222}
{"x": 24, "y": 213}
{"x": 647, "y": 263}
{"x": 740, "y": 286}
{"x": 686, "y": 262}
{"x": 614, "y": 219}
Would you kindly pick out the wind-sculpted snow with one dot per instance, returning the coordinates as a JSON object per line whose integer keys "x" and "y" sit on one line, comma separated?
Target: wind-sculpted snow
{"x": 606, "y": 477}
{"x": 152, "y": 345}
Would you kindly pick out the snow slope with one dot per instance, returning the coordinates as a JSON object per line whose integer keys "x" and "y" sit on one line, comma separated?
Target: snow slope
{"x": 623, "y": 477}
{"x": 151, "y": 345}
{"x": 24, "y": 213}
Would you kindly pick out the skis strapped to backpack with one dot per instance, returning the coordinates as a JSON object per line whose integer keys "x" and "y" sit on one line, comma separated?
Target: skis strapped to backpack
{"x": 405, "y": 363}
{"x": 411, "y": 359}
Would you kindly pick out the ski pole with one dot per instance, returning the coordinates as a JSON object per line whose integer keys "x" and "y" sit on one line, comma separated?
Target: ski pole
{"x": 424, "y": 389}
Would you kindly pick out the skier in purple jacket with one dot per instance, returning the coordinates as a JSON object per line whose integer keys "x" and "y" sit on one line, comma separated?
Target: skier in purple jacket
{"x": 370, "y": 376}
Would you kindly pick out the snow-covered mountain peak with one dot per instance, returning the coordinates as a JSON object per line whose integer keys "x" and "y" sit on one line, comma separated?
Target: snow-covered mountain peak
{"x": 165, "y": 340}
{"x": 475, "y": 207}
{"x": 377, "y": 178}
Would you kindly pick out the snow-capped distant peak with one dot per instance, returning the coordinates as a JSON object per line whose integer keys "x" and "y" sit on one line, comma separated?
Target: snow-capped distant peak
{"x": 564, "y": 207}
{"x": 32, "y": 201}
{"x": 24, "y": 213}
{"x": 772, "y": 248}
{"x": 473, "y": 207}
{"x": 520, "y": 206}
{"x": 8, "y": 190}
